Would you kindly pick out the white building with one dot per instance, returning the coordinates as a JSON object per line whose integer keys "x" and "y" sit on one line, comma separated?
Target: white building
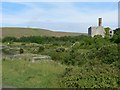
{"x": 99, "y": 30}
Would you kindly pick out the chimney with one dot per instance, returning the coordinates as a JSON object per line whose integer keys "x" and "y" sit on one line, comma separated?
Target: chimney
{"x": 100, "y": 21}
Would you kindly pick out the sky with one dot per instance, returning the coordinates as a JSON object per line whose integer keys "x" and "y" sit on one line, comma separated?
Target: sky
{"x": 59, "y": 16}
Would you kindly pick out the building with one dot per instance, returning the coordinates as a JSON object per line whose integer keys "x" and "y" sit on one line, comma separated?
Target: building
{"x": 111, "y": 33}
{"x": 99, "y": 30}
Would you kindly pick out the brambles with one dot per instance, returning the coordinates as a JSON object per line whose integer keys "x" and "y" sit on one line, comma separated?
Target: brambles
{"x": 21, "y": 51}
{"x": 116, "y": 37}
{"x": 60, "y": 49}
{"x": 107, "y": 31}
{"x": 108, "y": 54}
{"x": 41, "y": 48}
{"x": 98, "y": 76}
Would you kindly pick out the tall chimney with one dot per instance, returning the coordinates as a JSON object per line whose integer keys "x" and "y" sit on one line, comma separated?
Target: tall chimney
{"x": 100, "y": 21}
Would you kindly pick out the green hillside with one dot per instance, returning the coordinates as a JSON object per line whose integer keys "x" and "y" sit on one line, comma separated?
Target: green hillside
{"x": 19, "y": 32}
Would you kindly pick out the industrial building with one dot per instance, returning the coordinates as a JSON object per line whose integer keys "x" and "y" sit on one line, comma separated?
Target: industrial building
{"x": 99, "y": 30}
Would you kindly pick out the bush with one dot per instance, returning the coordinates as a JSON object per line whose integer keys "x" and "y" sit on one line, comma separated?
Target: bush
{"x": 60, "y": 49}
{"x": 21, "y": 51}
{"x": 107, "y": 31}
{"x": 41, "y": 48}
{"x": 108, "y": 54}
{"x": 98, "y": 76}
{"x": 116, "y": 37}
{"x": 9, "y": 39}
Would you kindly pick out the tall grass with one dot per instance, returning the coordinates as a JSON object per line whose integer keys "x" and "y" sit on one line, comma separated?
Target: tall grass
{"x": 33, "y": 75}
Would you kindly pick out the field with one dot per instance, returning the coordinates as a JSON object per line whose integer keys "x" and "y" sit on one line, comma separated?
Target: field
{"x": 61, "y": 62}
{"x": 19, "y": 32}
{"x": 23, "y": 74}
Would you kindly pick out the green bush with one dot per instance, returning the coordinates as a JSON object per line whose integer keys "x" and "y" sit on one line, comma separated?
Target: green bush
{"x": 107, "y": 31}
{"x": 97, "y": 76}
{"x": 116, "y": 37}
{"x": 21, "y": 51}
{"x": 108, "y": 54}
{"x": 60, "y": 49}
{"x": 9, "y": 39}
{"x": 41, "y": 48}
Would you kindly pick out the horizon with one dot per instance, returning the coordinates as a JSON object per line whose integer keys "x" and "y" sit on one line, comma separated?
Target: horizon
{"x": 43, "y": 29}
{"x": 56, "y": 16}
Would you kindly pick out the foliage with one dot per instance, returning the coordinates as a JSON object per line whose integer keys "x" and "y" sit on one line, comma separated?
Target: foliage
{"x": 95, "y": 76}
{"x": 116, "y": 37}
{"x": 60, "y": 49}
{"x": 108, "y": 54}
{"x": 107, "y": 31}
{"x": 41, "y": 48}
{"x": 44, "y": 39}
{"x": 91, "y": 62}
{"x": 9, "y": 39}
{"x": 21, "y": 51}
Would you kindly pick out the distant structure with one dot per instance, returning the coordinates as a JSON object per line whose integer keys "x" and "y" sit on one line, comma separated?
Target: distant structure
{"x": 99, "y": 30}
{"x": 112, "y": 32}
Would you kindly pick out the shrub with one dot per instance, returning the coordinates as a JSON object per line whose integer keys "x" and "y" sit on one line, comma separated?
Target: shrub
{"x": 21, "y": 51}
{"x": 9, "y": 39}
{"x": 60, "y": 49}
{"x": 116, "y": 37}
{"x": 107, "y": 31}
{"x": 108, "y": 54}
{"x": 98, "y": 76}
{"x": 41, "y": 48}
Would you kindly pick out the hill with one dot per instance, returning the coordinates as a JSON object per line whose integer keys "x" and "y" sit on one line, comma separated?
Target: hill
{"x": 19, "y": 32}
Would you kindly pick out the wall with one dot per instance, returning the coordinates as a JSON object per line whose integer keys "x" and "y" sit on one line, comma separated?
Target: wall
{"x": 92, "y": 31}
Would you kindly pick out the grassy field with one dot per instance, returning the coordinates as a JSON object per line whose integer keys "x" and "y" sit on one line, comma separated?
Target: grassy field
{"x": 19, "y": 32}
{"x": 33, "y": 75}
{"x": 85, "y": 63}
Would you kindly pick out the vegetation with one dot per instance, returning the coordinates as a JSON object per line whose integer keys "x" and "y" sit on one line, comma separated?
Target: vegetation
{"x": 116, "y": 37}
{"x": 107, "y": 31}
{"x": 21, "y": 51}
{"x": 90, "y": 77}
{"x": 24, "y": 74}
{"x": 81, "y": 62}
{"x": 20, "y": 32}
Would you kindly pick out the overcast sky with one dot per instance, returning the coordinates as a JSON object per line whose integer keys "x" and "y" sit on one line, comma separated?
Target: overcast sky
{"x": 59, "y": 16}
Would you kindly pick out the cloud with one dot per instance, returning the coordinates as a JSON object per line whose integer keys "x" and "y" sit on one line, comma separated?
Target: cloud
{"x": 65, "y": 12}
{"x": 59, "y": 17}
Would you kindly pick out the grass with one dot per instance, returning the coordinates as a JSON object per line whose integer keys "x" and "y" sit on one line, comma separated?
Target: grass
{"x": 33, "y": 75}
{"x": 0, "y": 72}
{"x": 19, "y": 32}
